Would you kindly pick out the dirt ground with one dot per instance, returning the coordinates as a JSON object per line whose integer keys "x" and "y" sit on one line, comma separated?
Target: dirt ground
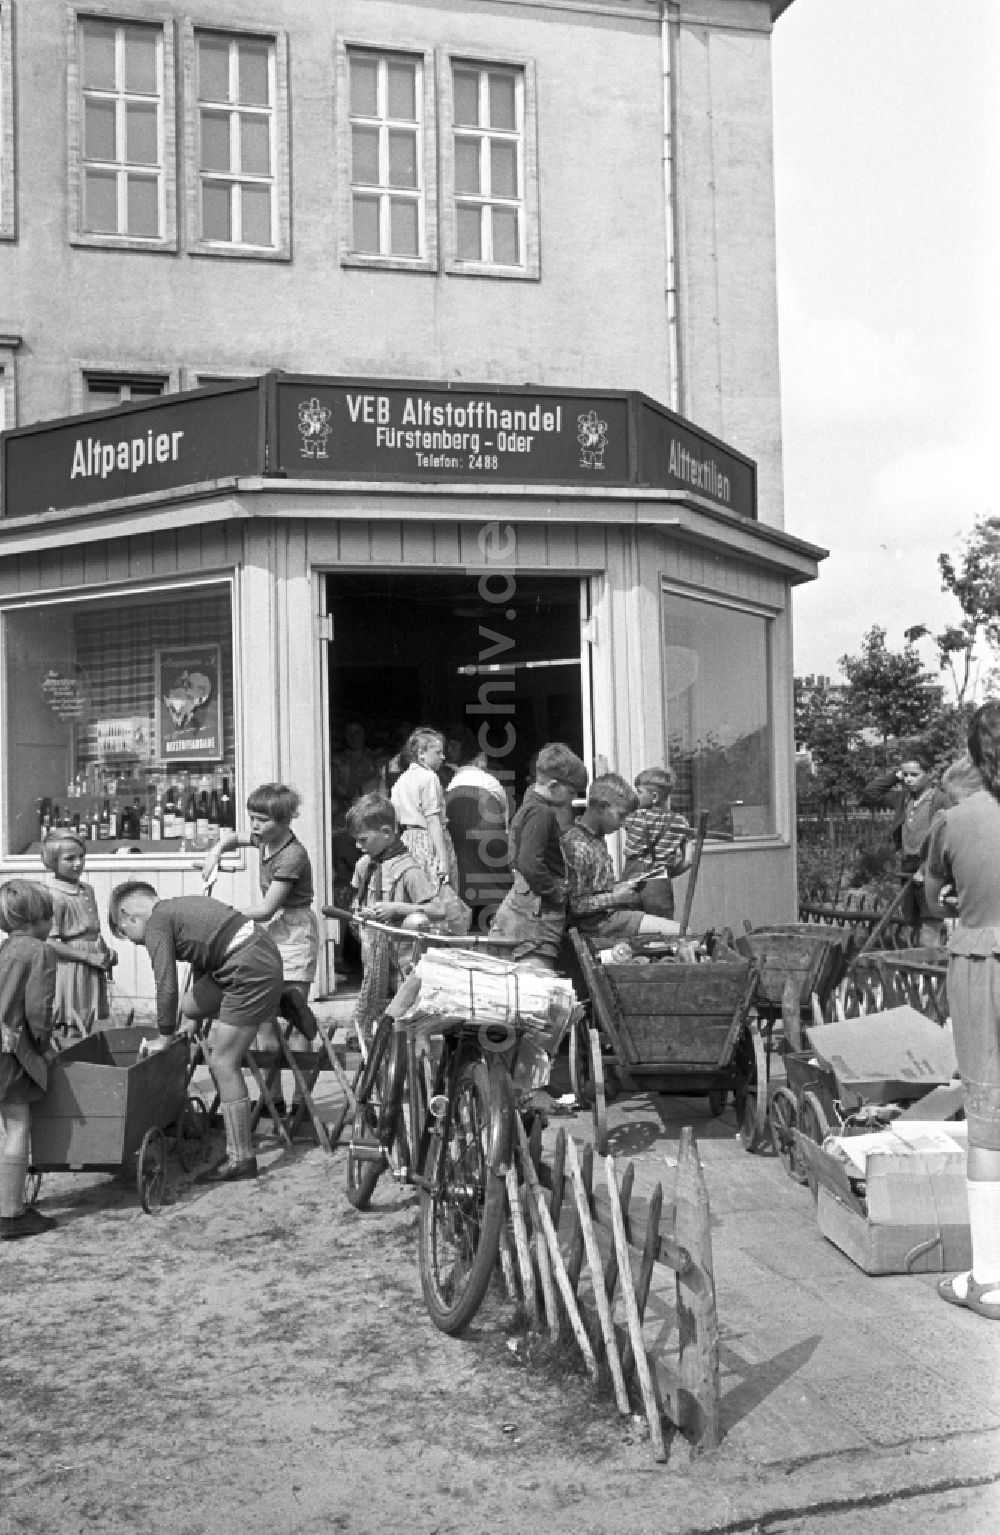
{"x": 258, "y": 1357}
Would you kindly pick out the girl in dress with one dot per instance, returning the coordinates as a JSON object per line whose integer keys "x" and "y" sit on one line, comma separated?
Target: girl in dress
{"x": 85, "y": 960}
{"x": 418, "y": 800}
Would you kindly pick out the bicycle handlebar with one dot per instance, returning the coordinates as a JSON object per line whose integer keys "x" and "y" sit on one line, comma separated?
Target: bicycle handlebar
{"x": 421, "y": 934}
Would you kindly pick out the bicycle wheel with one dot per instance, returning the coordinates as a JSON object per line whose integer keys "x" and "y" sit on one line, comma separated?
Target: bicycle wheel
{"x": 378, "y": 1094}
{"x": 462, "y": 1196}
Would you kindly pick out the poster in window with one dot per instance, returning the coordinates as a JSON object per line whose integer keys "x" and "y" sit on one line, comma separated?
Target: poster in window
{"x": 189, "y": 703}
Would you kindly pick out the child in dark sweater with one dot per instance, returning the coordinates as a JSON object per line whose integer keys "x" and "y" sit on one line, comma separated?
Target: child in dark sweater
{"x": 27, "y": 992}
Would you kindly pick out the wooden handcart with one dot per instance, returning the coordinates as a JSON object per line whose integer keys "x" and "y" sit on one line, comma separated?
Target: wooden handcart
{"x": 105, "y": 1108}
{"x": 669, "y": 1027}
{"x": 802, "y": 960}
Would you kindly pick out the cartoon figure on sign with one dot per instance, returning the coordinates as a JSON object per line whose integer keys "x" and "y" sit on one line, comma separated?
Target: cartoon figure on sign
{"x": 314, "y": 428}
{"x": 190, "y": 692}
{"x": 592, "y": 435}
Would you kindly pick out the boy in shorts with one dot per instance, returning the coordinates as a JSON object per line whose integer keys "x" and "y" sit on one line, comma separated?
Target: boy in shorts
{"x": 236, "y": 978}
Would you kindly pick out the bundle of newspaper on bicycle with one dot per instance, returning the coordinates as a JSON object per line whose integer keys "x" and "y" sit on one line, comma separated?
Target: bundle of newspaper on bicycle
{"x": 497, "y": 991}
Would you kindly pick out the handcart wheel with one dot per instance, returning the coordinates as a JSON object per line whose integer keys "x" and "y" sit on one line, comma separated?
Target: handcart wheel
{"x": 580, "y": 1075}
{"x": 783, "y": 1111}
{"x": 192, "y": 1131}
{"x": 814, "y": 1124}
{"x": 151, "y": 1170}
{"x": 32, "y": 1183}
{"x": 753, "y": 1111}
{"x": 599, "y": 1106}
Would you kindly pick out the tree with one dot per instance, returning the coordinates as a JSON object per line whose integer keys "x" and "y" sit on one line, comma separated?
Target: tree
{"x": 888, "y": 689}
{"x": 975, "y": 585}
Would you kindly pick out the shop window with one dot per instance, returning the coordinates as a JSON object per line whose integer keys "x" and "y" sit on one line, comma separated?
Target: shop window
{"x": 102, "y": 391}
{"x": 119, "y": 719}
{"x": 122, "y": 141}
{"x": 720, "y": 732}
{"x": 237, "y": 99}
{"x": 7, "y": 203}
{"x": 490, "y": 175}
{"x": 386, "y": 145}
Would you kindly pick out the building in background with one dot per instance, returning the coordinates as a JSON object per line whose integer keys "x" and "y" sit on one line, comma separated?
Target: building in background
{"x": 507, "y": 274}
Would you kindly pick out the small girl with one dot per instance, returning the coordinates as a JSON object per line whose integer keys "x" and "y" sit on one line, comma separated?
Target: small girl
{"x": 655, "y": 838}
{"x": 286, "y": 881}
{"x": 85, "y": 960}
{"x": 418, "y": 800}
{"x": 27, "y": 988}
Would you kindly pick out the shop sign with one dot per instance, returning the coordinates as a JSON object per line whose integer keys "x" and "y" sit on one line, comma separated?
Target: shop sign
{"x": 159, "y": 445}
{"x": 188, "y": 703}
{"x": 365, "y": 430}
{"x": 679, "y": 456}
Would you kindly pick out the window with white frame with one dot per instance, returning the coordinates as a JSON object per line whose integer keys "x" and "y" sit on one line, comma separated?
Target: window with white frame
{"x": 388, "y": 208}
{"x": 102, "y": 391}
{"x": 489, "y": 153}
{"x": 7, "y": 202}
{"x": 719, "y": 711}
{"x": 238, "y": 193}
{"x": 122, "y": 140}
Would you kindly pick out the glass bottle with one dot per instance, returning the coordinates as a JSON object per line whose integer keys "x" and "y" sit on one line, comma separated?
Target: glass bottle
{"x": 227, "y": 810}
{"x": 104, "y": 825}
{"x": 190, "y": 818}
{"x": 201, "y": 823}
{"x": 214, "y": 814}
{"x": 170, "y": 813}
{"x": 156, "y": 829}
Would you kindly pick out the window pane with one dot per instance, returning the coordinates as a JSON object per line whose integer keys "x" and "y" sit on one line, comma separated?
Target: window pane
{"x": 365, "y": 226}
{"x": 364, "y": 156}
{"x": 402, "y": 159}
{"x": 254, "y": 87}
{"x": 403, "y": 221}
{"x": 143, "y": 206}
{"x": 502, "y": 104}
{"x": 255, "y": 146}
{"x": 256, "y": 210}
{"x": 213, "y": 69}
{"x": 505, "y": 236}
{"x": 470, "y": 244}
{"x": 216, "y": 213}
{"x": 467, "y": 165}
{"x": 141, "y": 147}
{"x": 364, "y": 88}
{"x": 140, "y": 60}
{"x": 503, "y": 168}
{"x": 99, "y": 130}
{"x": 402, "y": 90}
{"x": 215, "y": 142}
{"x": 719, "y": 725}
{"x": 100, "y": 203}
{"x": 98, "y": 55}
{"x": 467, "y": 98}
{"x": 73, "y": 668}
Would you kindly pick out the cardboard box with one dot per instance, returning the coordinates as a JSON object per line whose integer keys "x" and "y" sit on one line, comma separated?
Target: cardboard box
{"x": 884, "y": 1057}
{"x": 900, "y": 1205}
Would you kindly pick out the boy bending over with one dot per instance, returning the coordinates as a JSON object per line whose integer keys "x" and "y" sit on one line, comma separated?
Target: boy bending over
{"x": 236, "y": 978}
{"x": 604, "y": 908}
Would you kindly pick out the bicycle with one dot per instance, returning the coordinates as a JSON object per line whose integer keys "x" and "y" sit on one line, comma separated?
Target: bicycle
{"x": 459, "y": 1141}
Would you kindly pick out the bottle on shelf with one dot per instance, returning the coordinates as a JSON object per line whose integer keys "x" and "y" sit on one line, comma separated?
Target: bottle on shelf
{"x": 104, "y": 825}
{"x": 227, "y": 809}
{"x": 156, "y": 826}
{"x": 94, "y": 824}
{"x": 170, "y": 813}
{"x": 214, "y": 815}
{"x": 44, "y": 818}
{"x": 201, "y": 821}
{"x": 190, "y": 823}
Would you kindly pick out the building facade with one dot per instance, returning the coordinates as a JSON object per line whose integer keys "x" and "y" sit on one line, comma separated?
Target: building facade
{"x": 517, "y": 260}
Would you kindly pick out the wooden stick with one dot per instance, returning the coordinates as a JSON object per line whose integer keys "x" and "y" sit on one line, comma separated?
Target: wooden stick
{"x": 647, "y": 1262}
{"x": 697, "y": 1320}
{"x": 507, "y": 1263}
{"x": 545, "y": 1272}
{"x": 594, "y": 1260}
{"x": 699, "y": 843}
{"x": 523, "y": 1254}
{"x": 562, "y": 1277}
{"x": 577, "y": 1248}
{"x": 632, "y": 1317}
{"x": 611, "y": 1264}
{"x": 558, "y": 1177}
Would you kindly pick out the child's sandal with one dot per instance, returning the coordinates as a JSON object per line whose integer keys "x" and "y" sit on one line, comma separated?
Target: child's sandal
{"x": 974, "y": 1298}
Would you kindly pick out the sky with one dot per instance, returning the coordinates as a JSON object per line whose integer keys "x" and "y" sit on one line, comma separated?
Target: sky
{"x": 887, "y": 171}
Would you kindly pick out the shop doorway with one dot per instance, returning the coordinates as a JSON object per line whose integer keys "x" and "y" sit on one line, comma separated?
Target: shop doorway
{"x": 442, "y": 650}
{"x": 447, "y": 651}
